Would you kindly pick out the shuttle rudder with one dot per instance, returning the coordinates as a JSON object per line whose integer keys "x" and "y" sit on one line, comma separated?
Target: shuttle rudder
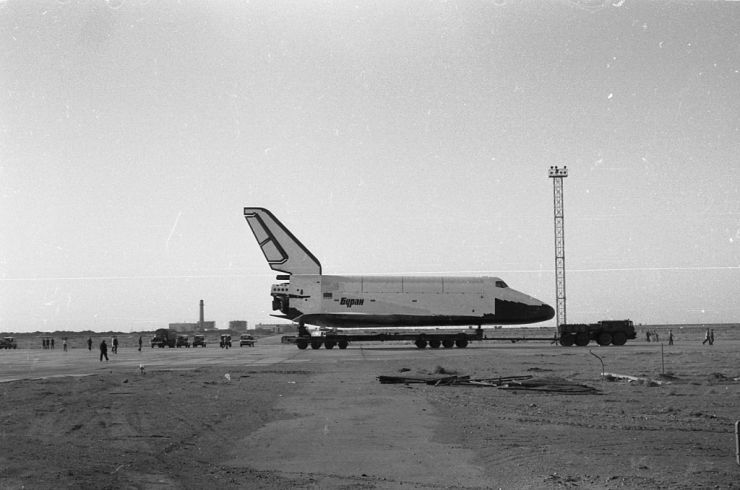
{"x": 282, "y": 250}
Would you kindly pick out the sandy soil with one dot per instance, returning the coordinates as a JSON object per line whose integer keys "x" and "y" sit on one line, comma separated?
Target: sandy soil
{"x": 285, "y": 418}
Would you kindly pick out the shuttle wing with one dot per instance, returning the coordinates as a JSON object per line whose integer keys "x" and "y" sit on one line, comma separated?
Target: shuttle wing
{"x": 283, "y": 251}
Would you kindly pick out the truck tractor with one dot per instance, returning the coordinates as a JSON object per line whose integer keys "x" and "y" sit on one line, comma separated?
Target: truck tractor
{"x": 164, "y": 337}
{"x": 8, "y": 343}
{"x": 604, "y": 332}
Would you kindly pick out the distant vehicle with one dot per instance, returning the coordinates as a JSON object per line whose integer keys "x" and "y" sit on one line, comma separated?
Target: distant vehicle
{"x": 8, "y": 343}
{"x": 182, "y": 341}
{"x": 246, "y": 339}
{"x": 225, "y": 341}
{"x": 308, "y": 297}
{"x": 199, "y": 340}
{"x": 164, "y": 337}
{"x": 604, "y": 332}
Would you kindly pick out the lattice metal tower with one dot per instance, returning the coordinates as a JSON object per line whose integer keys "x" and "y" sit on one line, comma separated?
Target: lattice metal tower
{"x": 557, "y": 175}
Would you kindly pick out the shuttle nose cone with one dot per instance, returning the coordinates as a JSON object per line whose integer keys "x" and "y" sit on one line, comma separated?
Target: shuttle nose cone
{"x": 546, "y": 312}
{"x": 514, "y": 312}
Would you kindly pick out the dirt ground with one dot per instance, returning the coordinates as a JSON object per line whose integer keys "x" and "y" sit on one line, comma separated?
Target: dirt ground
{"x": 276, "y": 417}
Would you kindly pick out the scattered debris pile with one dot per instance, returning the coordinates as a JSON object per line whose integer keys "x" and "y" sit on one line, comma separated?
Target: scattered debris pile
{"x": 522, "y": 383}
{"x": 640, "y": 380}
{"x": 551, "y": 385}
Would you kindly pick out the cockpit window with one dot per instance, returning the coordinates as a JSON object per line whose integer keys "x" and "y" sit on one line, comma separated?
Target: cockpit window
{"x": 501, "y": 284}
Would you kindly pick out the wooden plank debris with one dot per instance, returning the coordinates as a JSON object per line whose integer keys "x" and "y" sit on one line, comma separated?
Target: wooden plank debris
{"x": 520, "y": 383}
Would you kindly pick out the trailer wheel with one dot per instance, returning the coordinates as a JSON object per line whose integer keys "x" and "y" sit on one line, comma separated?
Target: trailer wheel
{"x": 434, "y": 344}
{"x": 301, "y": 343}
{"x": 329, "y": 344}
{"x": 619, "y": 338}
{"x": 582, "y": 339}
{"x": 605, "y": 338}
{"x": 448, "y": 343}
{"x": 461, "y": 343}
{"x": 421, "y": 343}
{"x": 315, "y": 344}
{"x": 343, "y": 344}
{"x": 567, "y": 340}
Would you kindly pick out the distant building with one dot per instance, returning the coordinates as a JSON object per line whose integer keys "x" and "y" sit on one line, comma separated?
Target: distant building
{"x": 192, "y": 327}
{"x": 183, "y": 327}
{"x": 277, "y": 327}
{"x": 238, "y": 325}
{"x": 209, "y": 326}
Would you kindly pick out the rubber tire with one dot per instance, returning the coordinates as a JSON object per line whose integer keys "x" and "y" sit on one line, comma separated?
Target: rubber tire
{"x": 301, "y": 344}
{"x": 343, "y": 344}
{"x": 329, "y": 344}
{"x": 619, "y": 338}
{"x": 605, "y": 338}
{"x": 567, "y": 340}
{"x": 582, "y": 339}
{"x": 434, "y": 344}
{"x": 421, "y": 344}
{"x": 316, "y": 344}
{"x": 461, "y": 343}
{"x": 448, "y": 343}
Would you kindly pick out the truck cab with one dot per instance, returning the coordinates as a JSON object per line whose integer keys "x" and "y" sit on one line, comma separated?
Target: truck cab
{"x": 164, "y": 337}
{"x": 199, "y": 340}
{"x": 182, "y": 341}
{"x": 8, "y": 343}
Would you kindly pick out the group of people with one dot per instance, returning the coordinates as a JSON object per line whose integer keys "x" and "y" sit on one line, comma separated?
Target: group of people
{"x": 114, "y": 348}
{"x": 652, "y": 336}
{"x": 104, "y": 347}
{"x": 48, "y": 343}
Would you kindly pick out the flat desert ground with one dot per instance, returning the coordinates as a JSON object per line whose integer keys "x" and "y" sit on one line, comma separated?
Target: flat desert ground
{"x": 274, "y": 416}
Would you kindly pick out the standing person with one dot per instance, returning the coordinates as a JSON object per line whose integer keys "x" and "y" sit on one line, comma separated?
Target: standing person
{"x": 64, "y": 343}
{"x": 707, "y": 336}
{"x": 89, "y": 343}
{"x": 115, "y": 344}
{"x": 103, "y": 351}
{"x": 647, "y": 335}
{"x": 140, "y": 342}
{"x": 52, "y": 342}
{"x": 711, "y": 337}
{"x": 670, "y": 337}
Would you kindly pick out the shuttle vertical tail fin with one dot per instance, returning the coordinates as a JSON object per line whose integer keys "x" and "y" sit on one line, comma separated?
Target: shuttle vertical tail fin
{"x": 283, "y": 251}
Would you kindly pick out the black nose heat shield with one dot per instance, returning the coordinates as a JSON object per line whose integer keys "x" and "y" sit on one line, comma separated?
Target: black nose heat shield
{"x": 513, "y": 312}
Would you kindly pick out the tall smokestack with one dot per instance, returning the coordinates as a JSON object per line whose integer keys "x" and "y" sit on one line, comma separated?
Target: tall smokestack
{"x": 200, "y": 323}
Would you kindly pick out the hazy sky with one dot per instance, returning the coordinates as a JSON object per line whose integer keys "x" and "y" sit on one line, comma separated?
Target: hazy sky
{"x": 392, "y": 136}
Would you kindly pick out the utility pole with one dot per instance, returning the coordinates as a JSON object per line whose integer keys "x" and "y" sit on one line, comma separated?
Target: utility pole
{"x": 557, "y": 175}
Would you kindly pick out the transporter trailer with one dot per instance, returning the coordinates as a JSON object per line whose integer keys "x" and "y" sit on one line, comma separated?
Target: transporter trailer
{"x": 434, "y": 339}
